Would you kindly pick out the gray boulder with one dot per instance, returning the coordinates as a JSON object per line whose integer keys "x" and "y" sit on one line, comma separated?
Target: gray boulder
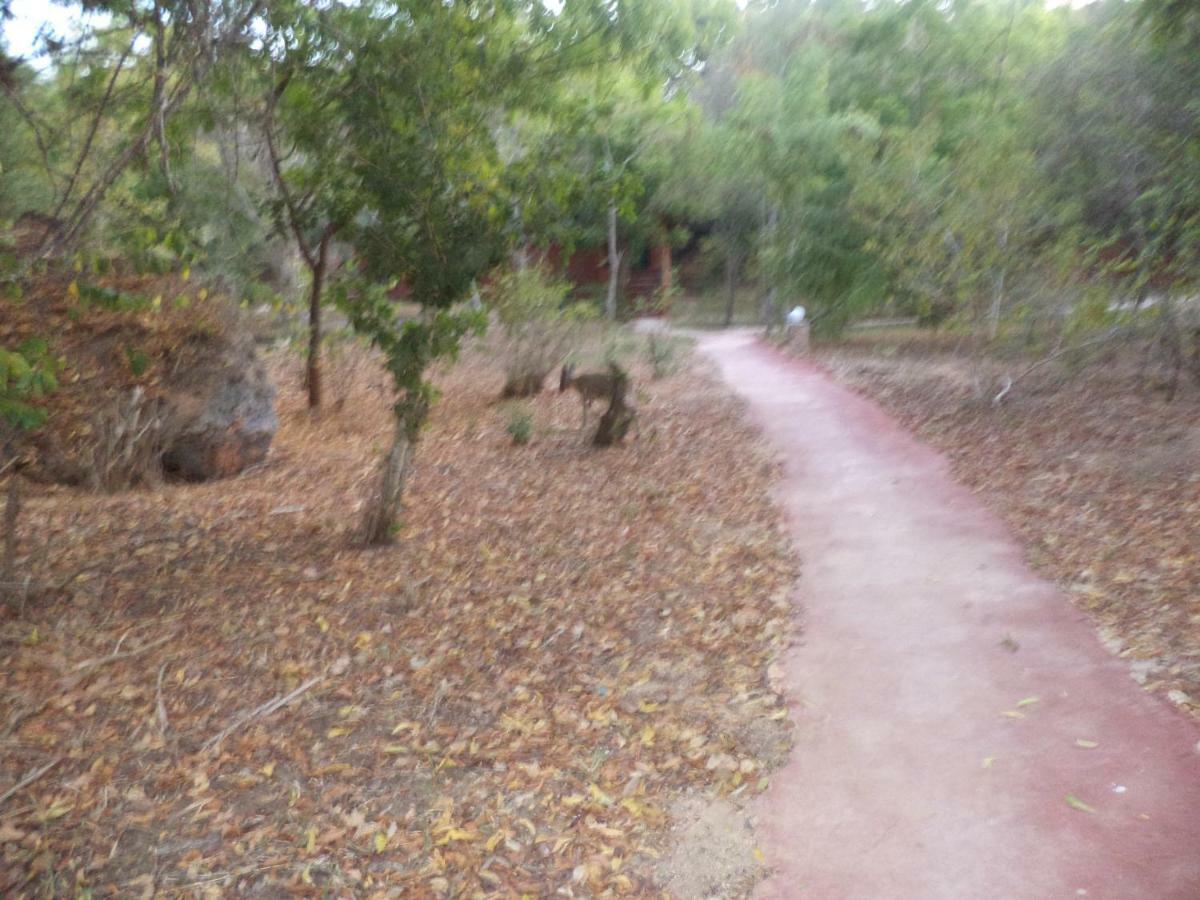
{"x": 222, "y": 415}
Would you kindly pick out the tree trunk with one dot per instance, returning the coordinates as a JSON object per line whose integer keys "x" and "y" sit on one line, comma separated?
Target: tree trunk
{"x": 619, "y": 416}
{"x": 998, "y": 295}
{"x": 9, "y": 583}
{"x": 770, "y": 305}
{"x": 997, "y": 305}
{"x": 614, "y": 266}
{"x": 664, "y": 263}
{"x": 731, "y": 267}
{"x": 379, "y": 523}
{"x": 313, "y": 372}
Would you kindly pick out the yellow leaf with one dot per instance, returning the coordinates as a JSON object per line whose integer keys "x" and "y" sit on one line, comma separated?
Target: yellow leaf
{"x": 599, "y": 796}
{"x": 396, "y": 748}
{"x": 73, "y": 290}
{"x": 186, "y": 273}
{"x": 57, "y": 810}
{"x": 1028, "y": 701}
{"x": 336, "y": 732}
{"x": 311, "y": 845}
{"x": 987, "y": 761}
{"x": 647, "y": 736}
{"x": 202, "y": 294}
{"x": 607, "y": 831}
{"x": 494, "y": 841}
{"x": 363, "y": 640}
{"x": 269, "y": 769}
{"x": 459, "y": 834}
{"x": 381, "y": 841}
{"x": 323, "y": 624}
{"x": 647, "y": 706}
{"x": 759, "y": 855}
{"x": 1013, "y": 714}
{"x": 572, "y": 801}
{"x": 1086, "y": 745}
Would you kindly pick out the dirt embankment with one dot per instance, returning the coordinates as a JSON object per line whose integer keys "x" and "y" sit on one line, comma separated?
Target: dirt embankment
{"x": 1099, "y": 478}
{"x": 152, "y": 371}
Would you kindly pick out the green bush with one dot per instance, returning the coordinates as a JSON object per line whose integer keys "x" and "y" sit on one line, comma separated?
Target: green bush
{"x": 663, "y": 354}
{"x": 26, "y": 376}
{"x": 520, "y": 426}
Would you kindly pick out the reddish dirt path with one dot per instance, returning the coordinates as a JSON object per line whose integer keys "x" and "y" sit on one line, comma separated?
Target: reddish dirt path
{"x": 922, "y": 626}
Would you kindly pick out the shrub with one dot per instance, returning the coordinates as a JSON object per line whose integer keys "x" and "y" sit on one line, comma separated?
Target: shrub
{"x": 662, "y": 353}
{"x": 537, "y": 326}
{"x": 520, "y": 427}
{"x": 130, "y": 436}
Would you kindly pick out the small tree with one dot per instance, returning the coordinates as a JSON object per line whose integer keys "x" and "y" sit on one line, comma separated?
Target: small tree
{"x": 425, "y": 164}
{"x": 422, "y": 98}
{"x": 315, "y": 190}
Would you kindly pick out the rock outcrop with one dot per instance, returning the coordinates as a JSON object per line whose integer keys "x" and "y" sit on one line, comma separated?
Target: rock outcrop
{"x": 222, "y": 416}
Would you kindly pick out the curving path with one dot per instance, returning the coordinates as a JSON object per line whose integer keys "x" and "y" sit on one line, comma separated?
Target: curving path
{"x": 922, "y": 627}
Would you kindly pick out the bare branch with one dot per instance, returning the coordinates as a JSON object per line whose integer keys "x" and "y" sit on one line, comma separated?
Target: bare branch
{"x": 86, "y": 150}
{"x": 265, "y": 709}
{"x": 30, "y": 778}
{"x": 285, "y": 194}
{"x": 1010, "y": 381}
{"x": 113, "y": 657}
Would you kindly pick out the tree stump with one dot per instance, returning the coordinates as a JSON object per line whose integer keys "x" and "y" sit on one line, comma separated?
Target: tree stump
{"x": 619, "y": 416}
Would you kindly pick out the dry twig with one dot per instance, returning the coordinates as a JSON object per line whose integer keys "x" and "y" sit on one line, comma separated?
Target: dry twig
{"x": 30, "y": 778}
{"x": 265, "y": 709}
{"x": 163, "y": 723}
{"x": 113, "y": 657}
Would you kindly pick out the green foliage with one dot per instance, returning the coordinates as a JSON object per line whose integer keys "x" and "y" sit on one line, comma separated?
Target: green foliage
{"x": 663, "y": 352}
{"x": 108, "y": 298}
{"x": 27, "y": 375}
{"x": 947, "y": 160}
{"x": 409, "y": 347}
{"x": 139, "y": 362}
{"x": 519, "y": 426}
{"x": 521, "y": 297}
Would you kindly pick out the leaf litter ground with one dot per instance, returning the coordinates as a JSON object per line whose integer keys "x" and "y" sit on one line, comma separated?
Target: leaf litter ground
{"x": 561, "y": 645}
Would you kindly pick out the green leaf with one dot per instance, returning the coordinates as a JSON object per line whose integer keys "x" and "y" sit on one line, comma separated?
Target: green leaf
{"x": 1075, "y": 803}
